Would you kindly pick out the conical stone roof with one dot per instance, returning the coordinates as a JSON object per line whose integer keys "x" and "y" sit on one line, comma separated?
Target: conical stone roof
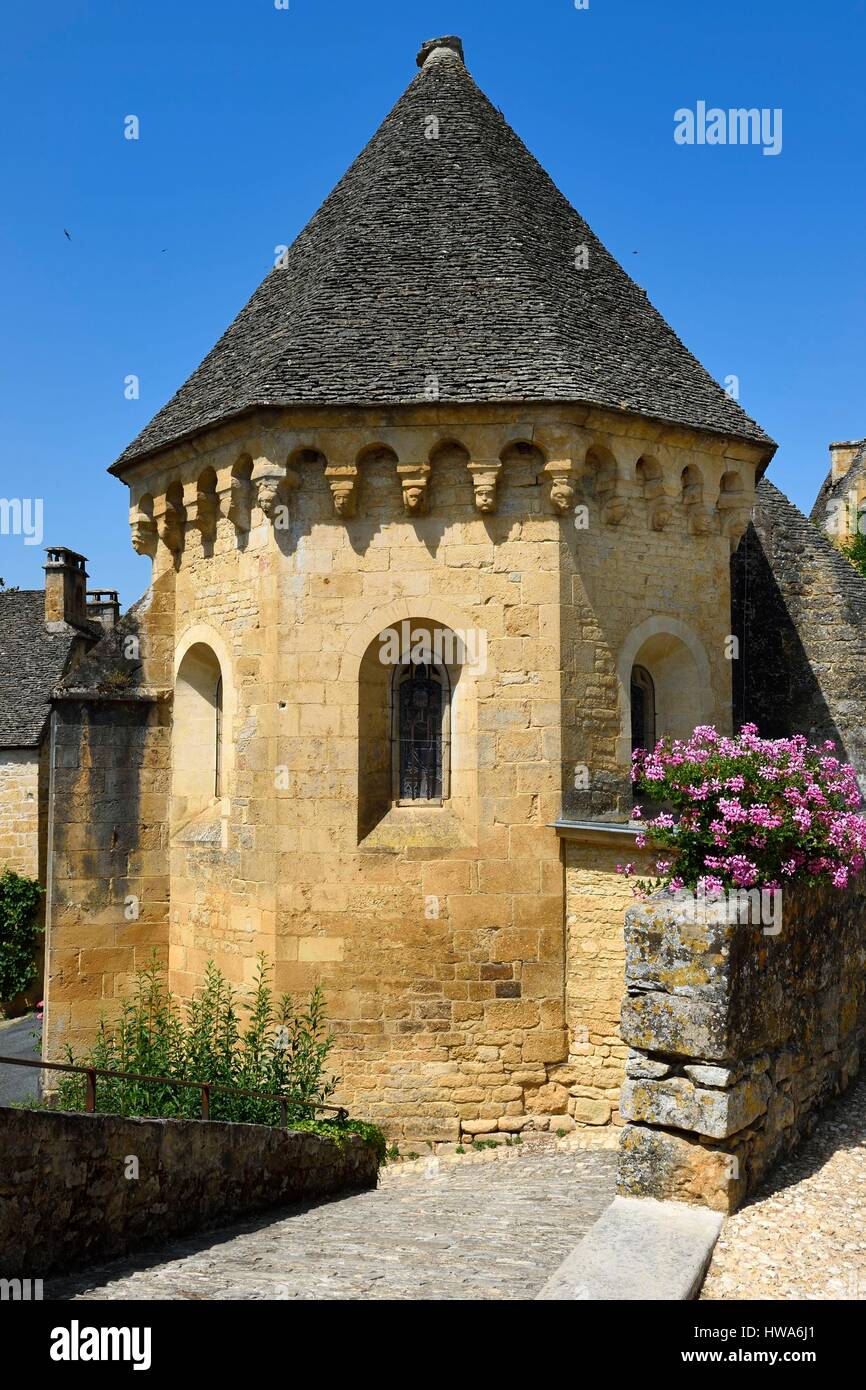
{"x": 446, "y": 255}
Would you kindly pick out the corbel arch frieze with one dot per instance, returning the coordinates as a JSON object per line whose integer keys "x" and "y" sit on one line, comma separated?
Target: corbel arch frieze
{"x": 735, "y": 500}
{"x": 273, "y": 482}
{"x": 658, "y": 483}
{"x": 610, "y": 464}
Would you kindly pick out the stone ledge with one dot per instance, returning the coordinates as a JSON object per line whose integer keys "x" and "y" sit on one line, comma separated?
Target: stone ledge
{"x": 597, "y": 832}
{"x": 639, "y": 1249}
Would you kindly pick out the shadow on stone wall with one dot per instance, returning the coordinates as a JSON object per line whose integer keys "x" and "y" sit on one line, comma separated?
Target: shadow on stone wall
{"x": 69, "y": 1198}
{"x": 799, "y": 611}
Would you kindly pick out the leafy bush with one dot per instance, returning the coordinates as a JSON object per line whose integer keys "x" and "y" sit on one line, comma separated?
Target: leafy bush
{"x": 855, "y": 551}
{"x": 749, "y": 812}
{"x": 278, "y": 1050}
{"x": 19, "y": 900}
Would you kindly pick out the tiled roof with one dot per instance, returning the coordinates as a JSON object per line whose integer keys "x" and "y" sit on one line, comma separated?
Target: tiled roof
{"x": 32, "y": 661}
{"x": 447, "y": 263}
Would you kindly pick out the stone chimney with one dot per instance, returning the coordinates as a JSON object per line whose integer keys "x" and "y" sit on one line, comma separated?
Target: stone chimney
{"x": 842, "y": 456}
{"x": 65, "y": 587}
{"x": 103, "y": 607}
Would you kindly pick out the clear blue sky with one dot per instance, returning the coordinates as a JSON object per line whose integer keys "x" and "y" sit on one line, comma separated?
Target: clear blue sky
{"x": 250, "y": 114}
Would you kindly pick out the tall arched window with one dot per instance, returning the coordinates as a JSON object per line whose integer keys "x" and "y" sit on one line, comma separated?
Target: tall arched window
{"x": 420, "y": 724}
{"x": 198, "y": 760}
{"x": 218, "y": 738}
{"x": 643, "y": 709}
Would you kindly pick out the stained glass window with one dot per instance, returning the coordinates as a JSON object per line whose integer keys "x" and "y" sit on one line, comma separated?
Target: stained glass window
{"x": 420, "y": 707}
{"x": 643, "y": 709}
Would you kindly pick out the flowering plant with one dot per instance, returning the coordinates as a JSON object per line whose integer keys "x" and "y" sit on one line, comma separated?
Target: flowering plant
{"x": 749, "y": 812}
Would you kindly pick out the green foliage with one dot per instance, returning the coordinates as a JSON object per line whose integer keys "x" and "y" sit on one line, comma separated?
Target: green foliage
{"x": 19, "y": 900}
{"x": 339, "y": 1131}
{"x": 278, "y": 1050}
{"x": 115, "y": 681}
{"x": 855, "y": 551}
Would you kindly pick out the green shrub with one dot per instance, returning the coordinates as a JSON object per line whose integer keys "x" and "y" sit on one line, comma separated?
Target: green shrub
{"x": 855, "y": 551}
{"x": 278, "y": 1050}
{"x": 19, "y": 900}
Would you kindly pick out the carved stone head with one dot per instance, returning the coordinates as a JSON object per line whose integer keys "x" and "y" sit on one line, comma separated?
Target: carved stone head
{"x": 269, "y": 495}
{"x": 562, "y": 495}
{"x": 143, "y": 537}
{"x": 413, "y": 497}
{"x": 485, "y": 495}
{"x": 344, "y": 498}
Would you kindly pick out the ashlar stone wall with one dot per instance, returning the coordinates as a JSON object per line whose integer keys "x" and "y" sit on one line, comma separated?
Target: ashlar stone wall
{"x": 567, "y": 544}
{"x": 19, "y": 810}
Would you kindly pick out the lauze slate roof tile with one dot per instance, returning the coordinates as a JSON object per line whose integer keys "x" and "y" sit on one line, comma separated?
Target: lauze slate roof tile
{"x": 450, "y": 259}
{"x": 32, "y": 661}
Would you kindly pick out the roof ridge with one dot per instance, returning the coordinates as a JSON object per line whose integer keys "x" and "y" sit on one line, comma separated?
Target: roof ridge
{"x": 850, "y": 578}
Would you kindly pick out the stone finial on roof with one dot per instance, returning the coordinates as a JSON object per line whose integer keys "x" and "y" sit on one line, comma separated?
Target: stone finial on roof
{"x": 450, "y": 41}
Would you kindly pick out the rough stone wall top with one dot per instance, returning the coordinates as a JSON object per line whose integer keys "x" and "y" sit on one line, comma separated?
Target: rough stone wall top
{"x": 444, "y": 262}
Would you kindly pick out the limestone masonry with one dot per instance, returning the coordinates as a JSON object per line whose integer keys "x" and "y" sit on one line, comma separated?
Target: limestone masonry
{"x": 432, "y": 413}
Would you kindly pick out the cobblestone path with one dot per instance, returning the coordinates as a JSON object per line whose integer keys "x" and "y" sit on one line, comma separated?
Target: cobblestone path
{"x": 804, "y": 1233}
{"x": 464, "y": 1229}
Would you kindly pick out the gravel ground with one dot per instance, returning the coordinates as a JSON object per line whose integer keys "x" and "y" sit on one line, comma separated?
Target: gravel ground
{"x": 803, "y": 1235}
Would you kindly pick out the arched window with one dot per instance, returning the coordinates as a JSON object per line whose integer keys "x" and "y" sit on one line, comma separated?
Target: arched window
{"x": 198, "y": 751}
{"x": 420, "y": 724}
{"x": 643, "y": 709}
{"x": 218, "y": 738}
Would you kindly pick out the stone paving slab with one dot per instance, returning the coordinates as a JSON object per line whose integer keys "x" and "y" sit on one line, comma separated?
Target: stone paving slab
{"x": 639, "y": 1249}
{"x": 494, "y": 1230}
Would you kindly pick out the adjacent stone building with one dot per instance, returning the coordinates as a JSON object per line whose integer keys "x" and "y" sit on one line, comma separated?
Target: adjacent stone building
{"x": 841, "y": 500}
{"x": 440, "y": 529}
{"x": 43, "y": 635}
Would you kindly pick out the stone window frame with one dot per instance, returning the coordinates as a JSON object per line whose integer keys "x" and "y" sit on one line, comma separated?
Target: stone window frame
{"x": 218, "y": 807}
{"x": 660, "y": 625}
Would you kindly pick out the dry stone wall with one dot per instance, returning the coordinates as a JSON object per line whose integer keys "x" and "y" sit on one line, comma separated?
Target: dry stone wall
{"x": 76, "y": 1189}
{"x": 738, "y": 1035}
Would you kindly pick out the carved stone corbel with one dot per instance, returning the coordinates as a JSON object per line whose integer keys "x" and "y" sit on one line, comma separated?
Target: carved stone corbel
{"x": 240, "y": 503}
{"x": 171, "y": 526}
{"x": 563, "y": 489}
{"x": 611, "y": 494}
{"x": 702, "y": 520}
{"x": 735, "y": 512}
{"x": 144, "y": 536}
{"x": 485, "y": 476}
{"x": 660, "y": 504}
{"x": 343, "y": 482}
{"x": 414, "y": 478}
{"x": 203, "y": 513}
{"x": 273, "y": 489}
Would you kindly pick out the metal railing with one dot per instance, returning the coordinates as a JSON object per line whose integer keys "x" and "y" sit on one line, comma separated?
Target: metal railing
{"x": 205, "y": 1087}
